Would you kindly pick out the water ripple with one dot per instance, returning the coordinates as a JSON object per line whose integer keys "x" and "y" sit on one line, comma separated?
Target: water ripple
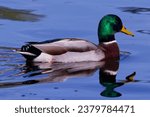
{"x": 18, "y": 14}
{"x": 135, "y": 10}
{"x": 144, "y": 31}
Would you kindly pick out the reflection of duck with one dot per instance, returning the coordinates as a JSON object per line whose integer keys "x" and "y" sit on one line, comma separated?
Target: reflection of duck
{"x": 59, "y": 72}
{"x": 107, "y": 78}
{"x": 56, "y": 72}
{"x": 78, "y": 50}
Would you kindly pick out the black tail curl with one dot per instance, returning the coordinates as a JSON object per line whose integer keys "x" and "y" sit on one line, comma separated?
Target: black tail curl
{"x": 30, "y": 49}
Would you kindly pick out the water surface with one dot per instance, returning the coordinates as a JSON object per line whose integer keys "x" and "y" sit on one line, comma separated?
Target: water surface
{"x": 38, "y": 20}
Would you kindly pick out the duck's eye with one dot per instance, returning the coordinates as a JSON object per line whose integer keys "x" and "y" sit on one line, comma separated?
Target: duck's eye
{"x": 115, "y": 28}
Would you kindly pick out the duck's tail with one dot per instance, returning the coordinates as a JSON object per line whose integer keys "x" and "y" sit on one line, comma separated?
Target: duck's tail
{"x": 29, "y": 51}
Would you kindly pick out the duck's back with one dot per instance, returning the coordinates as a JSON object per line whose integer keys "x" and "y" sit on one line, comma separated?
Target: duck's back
{"x": 60, "y": 46}
{"x": 62, "y": 50}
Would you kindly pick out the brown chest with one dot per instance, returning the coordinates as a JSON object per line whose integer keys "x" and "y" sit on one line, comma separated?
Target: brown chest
{"x": 111, "y": 51}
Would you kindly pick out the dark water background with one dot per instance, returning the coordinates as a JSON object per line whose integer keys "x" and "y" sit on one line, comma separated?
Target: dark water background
{"x": 38, "y": 20}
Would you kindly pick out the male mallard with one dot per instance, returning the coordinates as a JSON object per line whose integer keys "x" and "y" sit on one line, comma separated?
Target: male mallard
{"x": 78, "y": 50}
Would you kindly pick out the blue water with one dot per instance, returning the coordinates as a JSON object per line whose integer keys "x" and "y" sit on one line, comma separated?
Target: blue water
{"x": 39, "y": 20}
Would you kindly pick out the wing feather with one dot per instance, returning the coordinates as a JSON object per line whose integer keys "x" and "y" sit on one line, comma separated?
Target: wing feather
{"x": 61, "y": 46}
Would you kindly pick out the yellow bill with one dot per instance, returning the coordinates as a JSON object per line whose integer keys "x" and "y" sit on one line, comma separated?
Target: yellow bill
{"x": 124, "y": 30}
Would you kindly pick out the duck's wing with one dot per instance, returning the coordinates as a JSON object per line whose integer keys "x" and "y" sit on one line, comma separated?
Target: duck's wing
{"x": 61, "y": 46}
{"x": 55, "y": 47}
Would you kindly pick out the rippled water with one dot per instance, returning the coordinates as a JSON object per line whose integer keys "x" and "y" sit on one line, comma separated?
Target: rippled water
{"x": 38, "y": 20}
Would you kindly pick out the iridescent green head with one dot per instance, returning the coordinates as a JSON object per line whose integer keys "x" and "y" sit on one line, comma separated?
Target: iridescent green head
{"x": 108, "y": 26}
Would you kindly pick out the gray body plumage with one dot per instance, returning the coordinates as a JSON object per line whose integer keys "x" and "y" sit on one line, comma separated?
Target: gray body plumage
{"x": 64, "y": 50}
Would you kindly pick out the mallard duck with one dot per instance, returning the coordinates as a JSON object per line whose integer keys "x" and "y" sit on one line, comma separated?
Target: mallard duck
{"x": 79, "y": 50}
